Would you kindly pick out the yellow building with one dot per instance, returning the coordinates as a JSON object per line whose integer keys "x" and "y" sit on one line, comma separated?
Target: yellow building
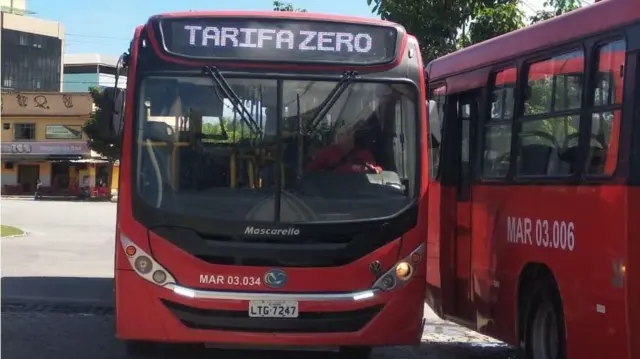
{"x": 42, "y": 138}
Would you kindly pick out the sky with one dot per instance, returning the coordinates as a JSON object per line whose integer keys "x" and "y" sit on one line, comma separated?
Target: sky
{"x": 106, "y": 27}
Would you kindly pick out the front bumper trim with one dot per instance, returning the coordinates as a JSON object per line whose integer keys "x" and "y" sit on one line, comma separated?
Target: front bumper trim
{"x": 300, "y": 297}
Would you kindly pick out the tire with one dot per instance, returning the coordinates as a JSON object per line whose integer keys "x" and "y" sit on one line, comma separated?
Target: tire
{"x": 139, "y": 349}
{"x": 355, "y": 352}
{"x": 545, "y": 335}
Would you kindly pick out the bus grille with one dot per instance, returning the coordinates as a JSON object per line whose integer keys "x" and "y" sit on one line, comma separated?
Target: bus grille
{"x": 286, "y": 257}
{"x": 314, "y": 250}
{"x": 307, "y": 322}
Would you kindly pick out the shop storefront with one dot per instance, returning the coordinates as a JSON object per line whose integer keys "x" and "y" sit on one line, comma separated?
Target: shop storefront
{"x": 23, "y": 163}
{"x": 42, "y": 139}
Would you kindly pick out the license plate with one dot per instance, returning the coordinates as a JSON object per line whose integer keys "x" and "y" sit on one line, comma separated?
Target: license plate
{"x": 273, "y": 309}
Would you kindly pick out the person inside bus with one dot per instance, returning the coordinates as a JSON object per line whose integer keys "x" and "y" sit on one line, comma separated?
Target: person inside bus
{"x": 350, "y": 153}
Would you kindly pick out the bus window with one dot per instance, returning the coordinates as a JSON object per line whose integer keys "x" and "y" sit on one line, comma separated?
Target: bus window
{"x": 547, "y": 142}
{"x": 555, "y": 84}
{"x": 497, "y": 135}
{"x": 605, "y": 123}
{"x": 435, "y": 107}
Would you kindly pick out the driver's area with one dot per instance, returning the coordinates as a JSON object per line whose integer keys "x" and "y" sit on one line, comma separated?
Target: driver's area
{"x": 325, "y": 143}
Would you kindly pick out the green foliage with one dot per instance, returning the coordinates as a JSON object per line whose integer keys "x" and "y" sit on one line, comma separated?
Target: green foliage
{"x": 441, "y": 26}
{"x": 493, "y": 21}
{"x": 235, "y": 131}
{"x": 554, "y": 8}
{"x": 567, "y": 96}
{"x": 284, "y": 6}
{"x": 106, "y": 147}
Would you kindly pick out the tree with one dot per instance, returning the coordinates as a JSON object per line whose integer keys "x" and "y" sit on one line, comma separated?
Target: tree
{"x": 490, "y": 22}
{"x": 552, "y": 8}
{"x": 445, "y": 26}
{"x": 283, "y": 6}
{"x": 108, "y": 148}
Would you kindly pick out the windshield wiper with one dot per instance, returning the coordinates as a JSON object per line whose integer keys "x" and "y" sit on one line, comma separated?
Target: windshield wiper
{"x": 237, "y": 104}
{"x": 333, "y": 96}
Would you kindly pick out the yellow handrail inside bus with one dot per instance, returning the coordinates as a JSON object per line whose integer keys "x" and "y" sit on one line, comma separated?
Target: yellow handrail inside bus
{"x": 253, "y": 162}
{"x": 232, "y": 170}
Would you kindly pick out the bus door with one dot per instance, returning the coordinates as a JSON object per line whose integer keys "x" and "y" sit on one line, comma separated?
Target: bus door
{"x": 461, "y": 135}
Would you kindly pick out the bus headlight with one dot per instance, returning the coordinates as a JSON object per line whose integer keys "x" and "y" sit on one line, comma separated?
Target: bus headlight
{"x": 144, "y": 265}
{"x": 401, "y": 272}
{"x": 159, "y": 276}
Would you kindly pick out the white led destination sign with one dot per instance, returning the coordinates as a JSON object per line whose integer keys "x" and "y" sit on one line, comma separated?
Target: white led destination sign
{"x": 279, "y": 40}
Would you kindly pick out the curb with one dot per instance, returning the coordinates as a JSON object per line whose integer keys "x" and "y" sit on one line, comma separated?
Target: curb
{"x": 54, "y": 199}
{"x": 15, "y": 235}
{"x": 56, "y": 305}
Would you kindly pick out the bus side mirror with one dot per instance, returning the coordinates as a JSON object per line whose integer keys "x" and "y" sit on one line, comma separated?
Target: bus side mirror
{"x": 111, "y": 112}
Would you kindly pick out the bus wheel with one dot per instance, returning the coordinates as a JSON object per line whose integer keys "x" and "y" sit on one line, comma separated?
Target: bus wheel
{"x": 545, "y": 331}
{"x": 139, "y": 349}
{"x": 355, "y": 352}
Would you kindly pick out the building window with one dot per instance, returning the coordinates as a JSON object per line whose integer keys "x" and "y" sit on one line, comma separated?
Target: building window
{"x": 548, "y": 138}
{"x": 63, "y": 132}
{"x": 24, "y": 131}
{"x": 30, "y": 62}
{"x": 497, "y": 132}
{"x": 7, "y": 83}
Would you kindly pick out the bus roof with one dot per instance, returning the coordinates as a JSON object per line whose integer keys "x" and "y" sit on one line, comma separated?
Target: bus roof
{"x": 282, "y": 15}
{"x": 600, "y": 16}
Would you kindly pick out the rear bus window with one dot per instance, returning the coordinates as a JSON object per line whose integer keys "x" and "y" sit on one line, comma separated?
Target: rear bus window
{"x": 607, "y": 99}
{"x": 497, "y": 132}
{"x": 548, "y": 137}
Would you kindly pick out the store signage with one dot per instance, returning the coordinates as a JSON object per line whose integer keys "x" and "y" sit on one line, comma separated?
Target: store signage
{"x": 45, "y": 148}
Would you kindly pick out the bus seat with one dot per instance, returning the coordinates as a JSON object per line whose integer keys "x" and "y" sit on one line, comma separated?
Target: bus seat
{"x": 534, "y": 160}
{"x": 158, "y": 131}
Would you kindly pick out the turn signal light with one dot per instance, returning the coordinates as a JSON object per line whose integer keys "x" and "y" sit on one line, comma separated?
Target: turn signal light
{"x": 401, "y": 273}
{"x": 130, "y": 251}
{"x": 403, "y": 270}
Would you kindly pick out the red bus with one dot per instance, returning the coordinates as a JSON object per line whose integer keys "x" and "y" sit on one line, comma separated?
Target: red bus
{"x": 227, "y": 235}
{"x": 533, "y": 223}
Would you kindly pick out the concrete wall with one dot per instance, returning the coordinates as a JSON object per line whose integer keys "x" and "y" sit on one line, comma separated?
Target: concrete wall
{"x": 42, "y": 104}
{"x": 82, "y": 82}
{"x": 10, "y": 176}
{"x": 79, "y": 82}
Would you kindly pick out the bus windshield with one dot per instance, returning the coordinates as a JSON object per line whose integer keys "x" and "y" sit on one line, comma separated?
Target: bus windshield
{"x": 220, "y": 152}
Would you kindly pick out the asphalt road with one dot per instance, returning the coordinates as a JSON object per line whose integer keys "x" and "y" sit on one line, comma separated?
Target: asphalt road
{"x": 68, "y": 314}
{"x": 68, "y": 239}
